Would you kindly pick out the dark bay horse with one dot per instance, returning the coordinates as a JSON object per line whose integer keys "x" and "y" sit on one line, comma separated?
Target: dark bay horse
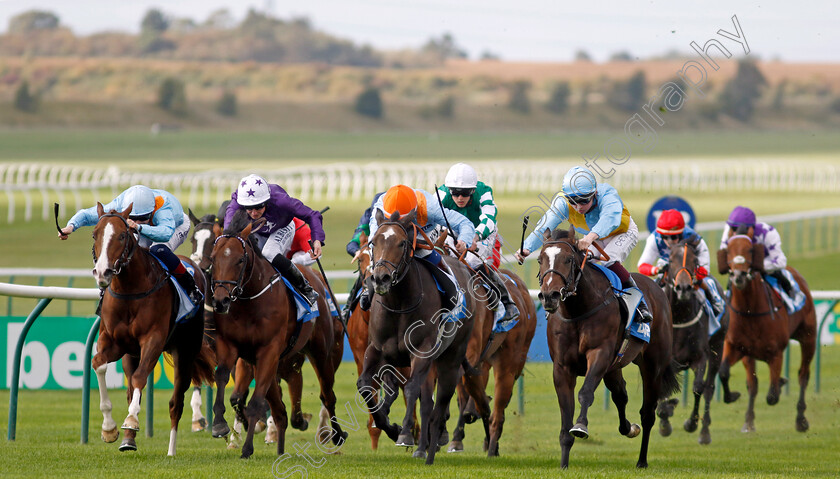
{"x": 693, "y": 347}
{"x": 507, "y": 362}
{"x": 760, "y": 326}
{"x": 408, "y": 327}
{"x": 255, "y": 320}
{"x": 585, "y": 331}
{"x": 357, "y": 338}
{"x": 138, "y": 324}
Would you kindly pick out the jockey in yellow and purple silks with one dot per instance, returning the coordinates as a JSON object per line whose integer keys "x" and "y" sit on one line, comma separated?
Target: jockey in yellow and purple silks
{"x": 403, "y": 199}
{"x": 596, "y": 211}
{"x": 160, "y": 222}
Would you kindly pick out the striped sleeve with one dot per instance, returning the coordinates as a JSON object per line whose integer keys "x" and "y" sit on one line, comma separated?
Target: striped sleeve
{"x": 487, "y": 220}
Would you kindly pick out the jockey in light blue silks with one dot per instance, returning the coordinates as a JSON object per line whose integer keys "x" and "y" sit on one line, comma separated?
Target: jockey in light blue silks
{"x": 160, "y": 222}
{"x": 596, "y": 211}
{"x": 670, "y": 230}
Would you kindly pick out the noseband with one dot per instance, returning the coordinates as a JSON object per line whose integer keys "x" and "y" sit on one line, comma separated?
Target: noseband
{"x": 236, "y": 290}
{"x": 684, "y": 268}
{"x": 128, "y": 250}
{"x": 399, "y": 270}
{"x": 570, "y": 282}
{"x": 740, "y": 259}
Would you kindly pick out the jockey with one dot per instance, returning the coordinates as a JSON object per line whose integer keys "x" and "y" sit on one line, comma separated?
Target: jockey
{"x": 596, "y": 211}
{"x": 462, "y": 192}
{"x": 260, "y": 199}
{"x": 161, "y": 223}
{"x": 670, "y": 230}
{"x": 775, "y": 260}
{"x": 403, "y": 199}
{"x": 353, "y": 249}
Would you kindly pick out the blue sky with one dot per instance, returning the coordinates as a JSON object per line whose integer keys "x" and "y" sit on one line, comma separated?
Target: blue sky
{"x": 526, "y": 30}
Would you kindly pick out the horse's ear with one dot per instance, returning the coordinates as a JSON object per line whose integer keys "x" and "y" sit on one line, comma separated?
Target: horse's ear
{"x": 127, "y": 211}
{"x": 195, "y": 221}
{"x": 723, "y": 263}
{"x": 217, "y": 230}
{"x": 251, "y": 227}
{"x": 410, "y": 217}
{"x": 758, "y": 258}
{"x": 547, "y": 234}
{"x": 572, "y": 233}
{"x": 100, "y": 210}
{"x": 379, "y": 215}
{"x": 751, "y": 232}
{"x": 395, "y": 216}
{"x": 441, "y": 241}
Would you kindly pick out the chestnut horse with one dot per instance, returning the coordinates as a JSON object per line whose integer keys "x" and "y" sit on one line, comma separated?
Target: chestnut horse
{"x": 255, "y": 320}
{"x": 408, "y": 327}
{"x": 138, "y": 316}
{"x": 693, "y": 347}
{"x": 760, "y": 326}
{"x": 585, "y": 331}
{"x": 357, "y": 338}
{"x": 507, "y": 362}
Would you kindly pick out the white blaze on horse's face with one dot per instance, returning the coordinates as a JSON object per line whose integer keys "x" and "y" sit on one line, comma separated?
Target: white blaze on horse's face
{"x": 202, "y": 237}
{"x": 551, "y": 253}
{"x": 103, "y": 262}
{"x": 388, "y": 233}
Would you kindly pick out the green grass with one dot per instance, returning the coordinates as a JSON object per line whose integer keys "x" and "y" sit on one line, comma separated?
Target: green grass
{"x": 48, "y": 438}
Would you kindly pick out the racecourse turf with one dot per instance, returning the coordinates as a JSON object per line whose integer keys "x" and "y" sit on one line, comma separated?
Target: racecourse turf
{"x": 48, "y": 442}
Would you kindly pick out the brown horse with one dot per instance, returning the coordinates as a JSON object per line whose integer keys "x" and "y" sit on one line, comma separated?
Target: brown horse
{"x": 409, "y": 327}
{"x": 760, "y": 326}
{"x": 507, "y": 362}
{"x": 585, "y": 331}
{"x": 138, "y": 324}
{"x": 693, "y": 347}
{"x": 357, "y": 337}
{"x": 255, "y": 320}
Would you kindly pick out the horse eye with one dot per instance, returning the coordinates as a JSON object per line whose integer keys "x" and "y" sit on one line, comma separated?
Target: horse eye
{"x": 241, "y": 260}
{"x": 122, "y": 236}
{"x": 403, "y": 243}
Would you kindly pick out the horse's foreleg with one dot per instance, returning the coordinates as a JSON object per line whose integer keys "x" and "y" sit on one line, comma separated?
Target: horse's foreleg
{"x": 325, "y": 371}
{"x": 183, "y": 375}
{"x": 199, "y": 422}
{"x": 294, "y": 382}
{"x": 614, "y": 381}
{"x": 457, "y": 444}
{"x": 265, "y": 371}
{"x": 808, "y": 346}
{"x": 368, "y": 392}
{"x": 426, "y": 406}
{"x": 447, "y": 381}
{"x": 752, "y": 388}
{"x": 505, "y": 379}
{"x": 731, "y": 355}
{"x": 278, "y": 412}
{"x": 708, "y": 392}
{"x": 242, "y": 378}
{"x": 699, "y": 385}
{"x": 475, "y": 385}
{"x": 419, "y": 372}
{"x": 564, "y": 385}
{"x": 150, "y": 351}
{"x": 107, "y": 352}
{"x": 598, "y": 361}
{"x": 776, "y": 379}
{"x": 226, "y": 358}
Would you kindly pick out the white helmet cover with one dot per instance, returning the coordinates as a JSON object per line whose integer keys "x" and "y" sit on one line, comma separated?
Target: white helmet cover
{"x": 461, "y": 175}
{"x": 142, "y": 198}
{"x": 253, "y": 190}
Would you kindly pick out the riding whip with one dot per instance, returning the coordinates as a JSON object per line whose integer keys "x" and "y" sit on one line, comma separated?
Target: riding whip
{"x": 329, "y": 290}
{"x": 56, "y": 219}
{"x": 522, "y": 243}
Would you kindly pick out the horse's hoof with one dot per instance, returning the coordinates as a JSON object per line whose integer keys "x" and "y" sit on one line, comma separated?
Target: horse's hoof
{"x": 470, "y": 418}
{"x": 456, "y": 446}
{"x": 419, "y": 454}
{"x": 406, "y": 440}
{"x": 802, "y": 424}
{"x": 494, "y": 451}
{"x": 443, "y": 440}
{"x": 635, "y": 429}
{"x": 271, "y": 434}
{"x": 111, "y": 436}
{"x": 259, "y": 427}
{"x": 748, "y": 428}
{"x": 665, "y": 429}
{"x": 199, "y": 425}
{"x": 128, "y": 444}
{"x": 705, "y": 439}
{"x": 579, "y": 430}
{"x": 782, "y": 381}
{"x": 131, "y": 423}
{"x": 393, "y": 431}
{"x": 232, "y": 446}
{"x": 303, "y": 423}
{"x": 731, "y": 397}
{"x": 220, "y": 429}
{"x": 689, "y": 425}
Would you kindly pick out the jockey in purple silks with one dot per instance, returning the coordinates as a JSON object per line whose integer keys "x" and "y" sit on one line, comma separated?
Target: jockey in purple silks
{"x": 260, "y": 199}
{"x": 763, "y": 234}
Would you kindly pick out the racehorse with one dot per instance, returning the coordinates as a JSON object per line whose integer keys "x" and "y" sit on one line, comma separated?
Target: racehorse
{"x": 357, "y": 338}
{"x": 585, "y": 331}
{"x": 409, "y": 326}
{"x": 138, "y": 316}
{"x": 693, "y": 347}
{"x": 255, "y": 320}
{"x": 507, "y": 362}
{"x": 760, "y": 326}
{"x": 205, "y": 233}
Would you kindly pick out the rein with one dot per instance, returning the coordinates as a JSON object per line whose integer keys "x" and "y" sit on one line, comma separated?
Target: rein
{"x": 771, "y": 310}
{"x": 604, "y": 304}
{"x": 569, "y": 284}
{"x": 238, "y": 285}
{"x": 400, "y": 270}
{"x": 127, "y": 253}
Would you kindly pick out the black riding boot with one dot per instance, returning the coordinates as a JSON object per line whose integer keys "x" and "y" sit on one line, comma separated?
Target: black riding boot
{"x": 298, "y": 280}
{"x": 352, "y": 299}
{"x": 492, "y": 276}
{"x": 365, "y": 299}
{"x": 178, "y": 271}
{"x": 642, "y": 308}
{"x": 187, "y": 282}
{"x": 783, "y": 282}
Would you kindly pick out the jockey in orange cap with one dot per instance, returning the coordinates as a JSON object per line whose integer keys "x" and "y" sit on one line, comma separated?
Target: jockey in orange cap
{"x": 670, "y": 230}
{"x": 403, "y": 199}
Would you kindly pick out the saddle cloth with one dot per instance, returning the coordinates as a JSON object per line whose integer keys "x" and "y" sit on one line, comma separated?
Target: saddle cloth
{"x": 793, "y": 304}
{"x": 186, "y": 309}
{"x": 631, "y": 297}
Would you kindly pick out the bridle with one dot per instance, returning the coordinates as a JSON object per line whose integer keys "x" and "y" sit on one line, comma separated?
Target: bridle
{"x": 399, "y": 270}
{"x": 684, "y": 268}
{"x": 740, "y": 259}
{"x": 749, "y": 276}
{"x": 128, "y": 250}
{"x": 204, "y": 255}
{"x": 570, "y": 282}
{"x": 234, "y": 288}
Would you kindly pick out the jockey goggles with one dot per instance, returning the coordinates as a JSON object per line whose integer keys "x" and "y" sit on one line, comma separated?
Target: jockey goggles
{"x": 580, "y": 200}
{"x": 255, "y": 207}
{"x": 146, "y": 217}
{"x": 461, "y": 191}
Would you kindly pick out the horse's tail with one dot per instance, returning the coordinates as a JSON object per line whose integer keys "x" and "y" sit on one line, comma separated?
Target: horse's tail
{"x": 204, "y": 368}
{"x": 669, "y": 382}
